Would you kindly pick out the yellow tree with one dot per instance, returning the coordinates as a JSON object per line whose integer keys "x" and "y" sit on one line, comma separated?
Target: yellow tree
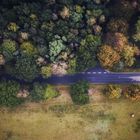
{"x": 113, "y": 91}
{"x": 128, "y": 54}
{"x": 46, "y": 71}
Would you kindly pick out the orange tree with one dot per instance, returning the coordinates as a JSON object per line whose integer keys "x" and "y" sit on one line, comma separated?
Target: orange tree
{"x": 108, "y": 56}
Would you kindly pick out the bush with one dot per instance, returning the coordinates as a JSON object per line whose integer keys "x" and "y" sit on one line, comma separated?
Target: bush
{"x": 8, "y": 93}
{"x": 50, "y": 92}
{"x": 79, "y": 92}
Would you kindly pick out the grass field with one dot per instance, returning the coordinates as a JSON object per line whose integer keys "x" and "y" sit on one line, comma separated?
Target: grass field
{"x": 97, "y": 121}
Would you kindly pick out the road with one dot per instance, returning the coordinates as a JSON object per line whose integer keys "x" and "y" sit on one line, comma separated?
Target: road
{"x": 95, "y": 76}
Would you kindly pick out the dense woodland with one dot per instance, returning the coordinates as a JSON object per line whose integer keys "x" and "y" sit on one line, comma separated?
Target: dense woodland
{"x": 45, "y": 37}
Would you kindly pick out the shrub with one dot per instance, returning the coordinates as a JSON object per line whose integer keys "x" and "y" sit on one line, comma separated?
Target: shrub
{"x": 79, "y": 92}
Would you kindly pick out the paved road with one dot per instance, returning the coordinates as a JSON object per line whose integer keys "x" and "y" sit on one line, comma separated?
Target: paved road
{"x": 96, "y": 76}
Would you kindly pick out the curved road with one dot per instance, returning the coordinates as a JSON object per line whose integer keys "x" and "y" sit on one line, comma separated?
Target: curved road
{"x": 96, "y": 76}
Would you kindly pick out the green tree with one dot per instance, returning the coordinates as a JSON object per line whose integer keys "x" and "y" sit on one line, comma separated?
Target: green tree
{"x": 50, "y": 92}
{"x": 72, "y": 66}
{"x": 85, "y": 59}
{"x": 86, "y": 55}
{"x": 79, "y": 92}
{"x": 37, "y": 92}
{"x": 56, "y": 47}
{"x": 8, "y": 48}
{"x": 136, "y": 36}
{"x": 26, "y": 68}
{"x": 8, "y": 93}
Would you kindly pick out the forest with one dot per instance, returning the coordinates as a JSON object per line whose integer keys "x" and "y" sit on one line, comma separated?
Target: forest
{"x": 57, "y": 37}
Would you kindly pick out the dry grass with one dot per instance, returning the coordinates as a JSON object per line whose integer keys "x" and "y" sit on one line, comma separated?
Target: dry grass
{"x": 96, "y": 121}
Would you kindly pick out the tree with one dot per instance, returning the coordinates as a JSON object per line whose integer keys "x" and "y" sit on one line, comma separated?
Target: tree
{"x": 113, "y": 91}
{"x": 118, "y": 25}
{"x": 72, "y": 66}
{"x": 56, "y": 47}
{"x": 12, "y": 27}
{"x": 136, "y": 36}
{"x": 50, "y": 92}
{"x": 37, "y": 92}
{"x": 26, "y": 68}
{"x": 43, "y": 92}
{"x": 132, "y": 91}
{"x": 108, "y": 56}
{"x": 128, "y": 54}
{"x": 116, "y": 40}
{"x": 8, "y": 49}
{"x": 85, "y": 59}
{"x": 86, "y": 55}
{"x": 79, "y": 92}
{"x": 8, "y": 93}
{"x": 46, "y": 71}
{"x": 121, "y": 8}
{"x": 28, "y": 48}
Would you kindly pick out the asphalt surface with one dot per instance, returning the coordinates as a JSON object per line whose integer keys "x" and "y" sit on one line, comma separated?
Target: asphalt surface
{"x": 95, "y": 76}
